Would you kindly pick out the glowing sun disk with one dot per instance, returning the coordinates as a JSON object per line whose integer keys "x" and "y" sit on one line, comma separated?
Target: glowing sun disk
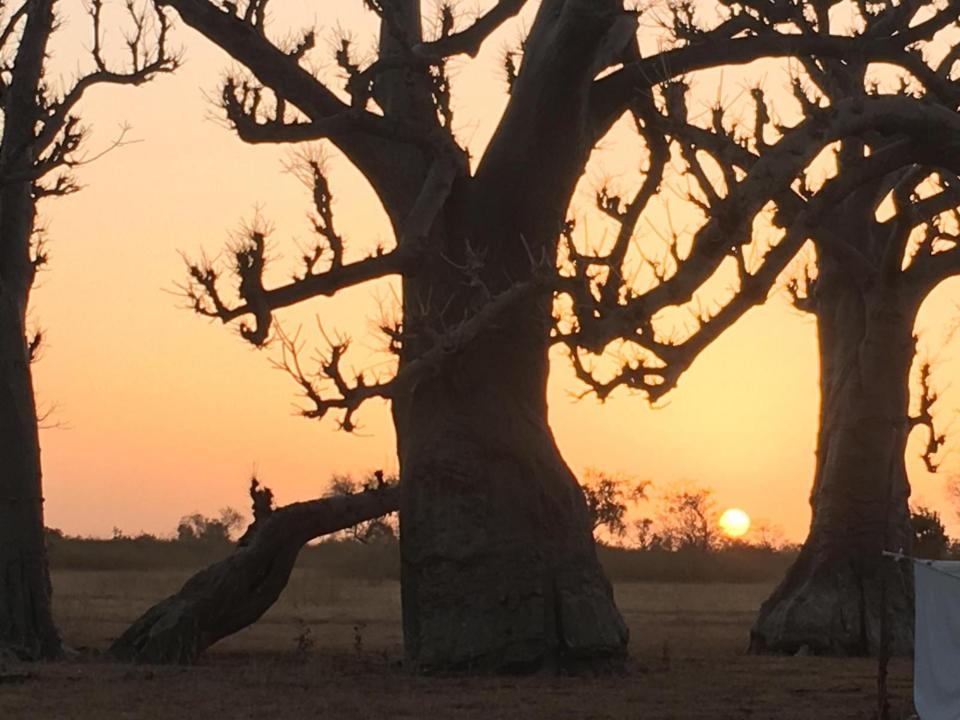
{"x": 734, "y": 522}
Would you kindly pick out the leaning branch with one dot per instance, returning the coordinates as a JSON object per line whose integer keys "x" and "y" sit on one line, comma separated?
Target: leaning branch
{"x": 234, "y": 593}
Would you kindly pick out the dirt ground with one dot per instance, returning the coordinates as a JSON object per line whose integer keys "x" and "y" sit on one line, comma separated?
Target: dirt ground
{"x": 332, "y": 650}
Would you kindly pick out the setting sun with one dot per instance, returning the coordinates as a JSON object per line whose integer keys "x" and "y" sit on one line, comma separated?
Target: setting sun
{"x": 734, "y": 523}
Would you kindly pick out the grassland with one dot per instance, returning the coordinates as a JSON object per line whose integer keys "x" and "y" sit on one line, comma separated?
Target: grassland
{"x": 332, "y": 649}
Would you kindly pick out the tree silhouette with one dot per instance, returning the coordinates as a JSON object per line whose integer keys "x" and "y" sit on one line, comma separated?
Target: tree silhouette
{"x": 688, "y": 520}
{"x": 218, "y": 530}
{"x": 608, "y": 498}
{"x": 880, "y": 246}
{"x": 871, "y": 277}
{"x": 499, "y": 569}
{"x": 41, "y": 141}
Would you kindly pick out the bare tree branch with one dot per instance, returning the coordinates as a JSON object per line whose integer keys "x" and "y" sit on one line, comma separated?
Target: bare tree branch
{"x": 935, "y": 440}
{"x": 673, "y": 359}
{"x": 250, "y": 261}
{"x": 359, "y": 136}
{"x": 471, "y": 39}
{"x": 12, "y": 22}
{"x": 148, "y": 57}
{"x": 613, "y": 93}
{"x": 351, "y": 394}
{"x": 241, "y": 102}
{"x": 769, "y": 177}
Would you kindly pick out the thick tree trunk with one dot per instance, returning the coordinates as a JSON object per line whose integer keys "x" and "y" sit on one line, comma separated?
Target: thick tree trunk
{"x": 26, "y": 622}
{"x": 833, "y": 597}
{"x": 235, "y": 592}
{"x": 499, "y": 567}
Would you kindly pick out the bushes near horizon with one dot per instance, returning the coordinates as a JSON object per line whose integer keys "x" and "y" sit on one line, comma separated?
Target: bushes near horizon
{"x": 380, "y": 561}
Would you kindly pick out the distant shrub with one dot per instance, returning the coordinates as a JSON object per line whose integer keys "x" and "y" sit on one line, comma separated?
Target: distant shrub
{"x": 680, "y": 545}
{"x": 346, "y": 559}
{"x": 199, "y": 528}
{"x": 686, "y": 521}
{"x": 144, "y": 552}
{"x": 739, "y": 563}
{"x": 930, "y": 538}
{"x": 608, "y": 498}
{"x": 376, "y": 531}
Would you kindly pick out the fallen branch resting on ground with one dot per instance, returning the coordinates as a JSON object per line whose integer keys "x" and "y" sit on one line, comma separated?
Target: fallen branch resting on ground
{"x": 236, "y": 591}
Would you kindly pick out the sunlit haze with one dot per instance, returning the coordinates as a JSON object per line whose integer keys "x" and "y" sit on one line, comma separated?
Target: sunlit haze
{"x": 153, "y": 412}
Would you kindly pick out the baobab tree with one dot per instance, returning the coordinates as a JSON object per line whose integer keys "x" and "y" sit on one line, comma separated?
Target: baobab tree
{"x": 41, "y": 141}
{"x": 499, "y": 569}
{"x": 872, "y": 276}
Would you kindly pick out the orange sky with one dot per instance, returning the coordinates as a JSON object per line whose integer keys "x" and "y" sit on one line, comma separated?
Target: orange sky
{"x": 156, "y": 412}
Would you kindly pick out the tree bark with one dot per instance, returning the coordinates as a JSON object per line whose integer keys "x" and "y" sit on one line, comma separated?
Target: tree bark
{"x": 833, "y": 597}
{"x": 234, "y": 593}
{"x": 498, "y": 562}
{"x": 26, "y": 622}
{"x": 499, "y": 570}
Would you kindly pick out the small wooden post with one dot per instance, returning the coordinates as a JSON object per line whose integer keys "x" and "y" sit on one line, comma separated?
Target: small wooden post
{"x": 883, "y": 652}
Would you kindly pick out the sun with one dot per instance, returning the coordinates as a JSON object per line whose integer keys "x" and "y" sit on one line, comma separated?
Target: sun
{"x": 734, "y": 522}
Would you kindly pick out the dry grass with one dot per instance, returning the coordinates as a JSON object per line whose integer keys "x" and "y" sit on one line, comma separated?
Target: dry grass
{"x": 687, "y": 647}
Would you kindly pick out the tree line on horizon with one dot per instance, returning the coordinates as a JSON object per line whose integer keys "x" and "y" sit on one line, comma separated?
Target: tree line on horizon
{"x": 623, "y": 511}
{"x": 495, "y": 273}
{"x": 674, "y": 536}
{"x": 685, "y": 517}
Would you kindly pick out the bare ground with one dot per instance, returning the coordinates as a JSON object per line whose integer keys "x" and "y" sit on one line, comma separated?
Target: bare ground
{"x": 333, "y": 650}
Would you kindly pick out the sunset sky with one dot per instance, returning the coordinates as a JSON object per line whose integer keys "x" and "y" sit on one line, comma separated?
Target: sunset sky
{"x": 155, "y": 412}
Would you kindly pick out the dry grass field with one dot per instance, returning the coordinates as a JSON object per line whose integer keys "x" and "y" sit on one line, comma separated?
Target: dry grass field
{"x": 332, "y": 650}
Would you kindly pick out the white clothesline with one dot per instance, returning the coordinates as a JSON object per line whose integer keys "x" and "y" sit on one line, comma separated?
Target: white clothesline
{"x": 901, "y": 556}
{"x": 932, "y": 564}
